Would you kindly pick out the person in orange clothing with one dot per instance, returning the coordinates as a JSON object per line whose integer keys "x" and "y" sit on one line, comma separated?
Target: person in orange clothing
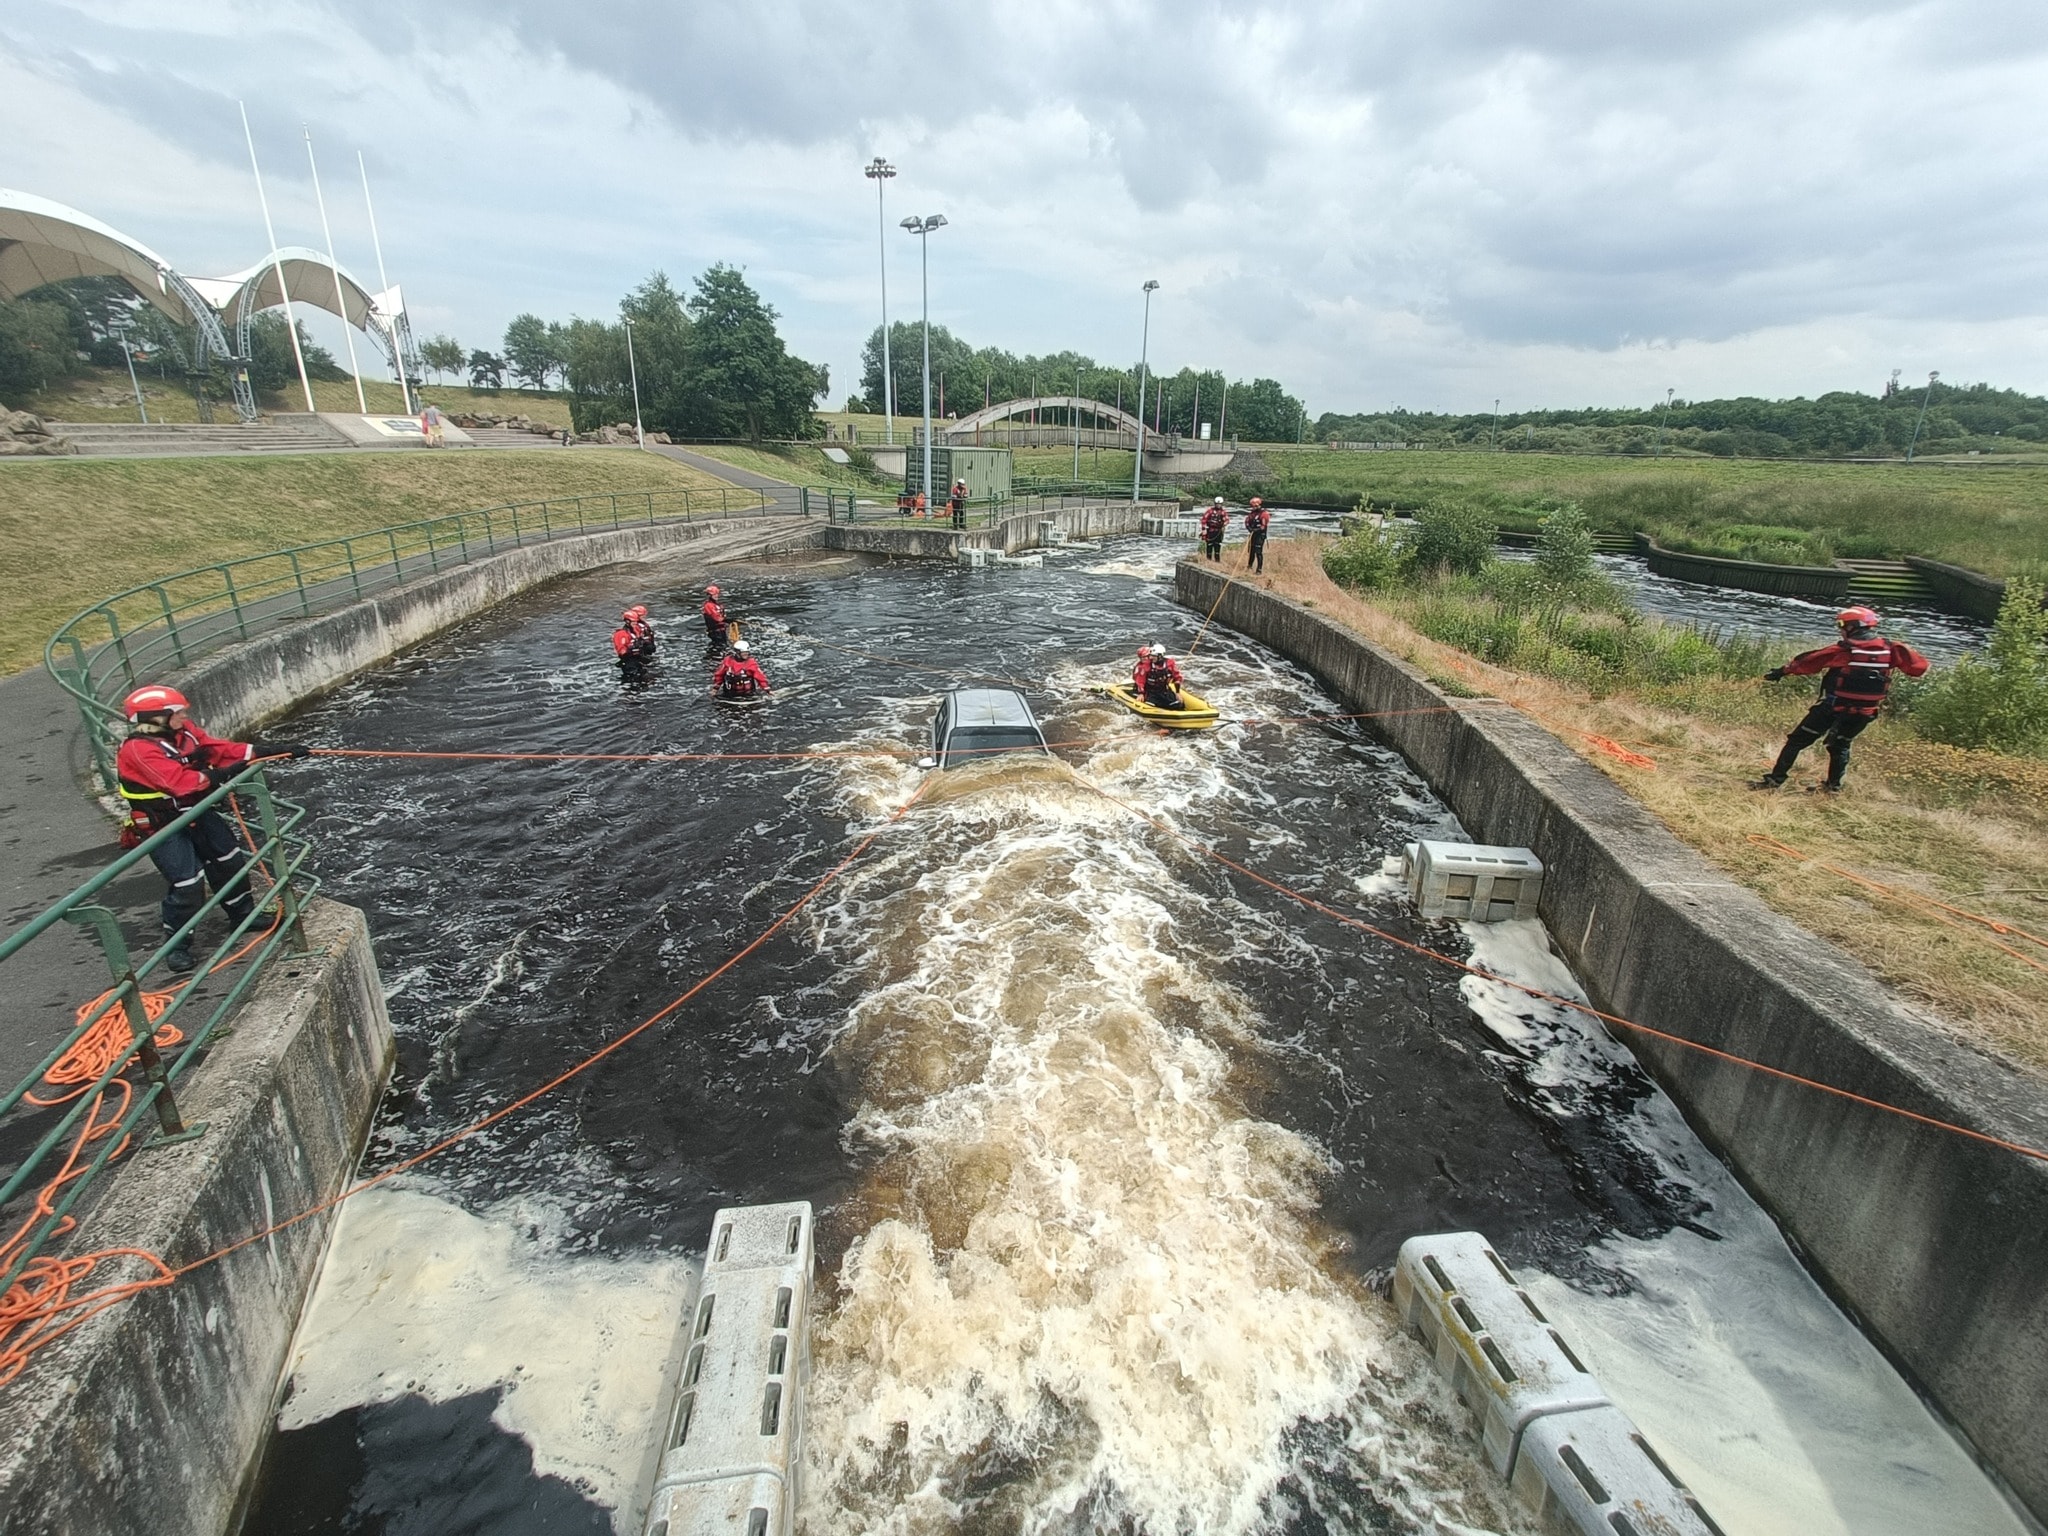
{"x": 1856, "y": 675}
{"x": 717, "y": 622}
{"x": 1157, "y": 680}
{"x": 739, "y": 676}
{"x": 166, "y": 766}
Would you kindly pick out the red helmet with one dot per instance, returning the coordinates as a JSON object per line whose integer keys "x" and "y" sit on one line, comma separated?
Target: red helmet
{"x": 154, "y": 700}
{"x": 711, "y": 591}
{"x": 1866, "y": 618}
{"x": 638, "y": 611}
{"x": 1258, "y": 501}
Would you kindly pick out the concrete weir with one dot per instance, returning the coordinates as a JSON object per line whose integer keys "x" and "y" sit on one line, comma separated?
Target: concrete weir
{"x": 1936, "y": 1242}
{"x": 151, "y": 1415}
{"x": 937, "y": 541}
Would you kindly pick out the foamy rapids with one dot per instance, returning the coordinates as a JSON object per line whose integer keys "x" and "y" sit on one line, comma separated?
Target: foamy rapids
{"x": 1088, "y": 1292}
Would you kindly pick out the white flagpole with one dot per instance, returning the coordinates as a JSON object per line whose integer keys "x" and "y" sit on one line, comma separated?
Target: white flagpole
{"x": 277, "y": 262}
{"x": 348, "y": 333}
{"x": 384, "y": 283}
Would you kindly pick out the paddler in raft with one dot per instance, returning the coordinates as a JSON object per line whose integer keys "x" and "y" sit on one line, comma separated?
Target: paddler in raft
{"x": 1156, "y": 679}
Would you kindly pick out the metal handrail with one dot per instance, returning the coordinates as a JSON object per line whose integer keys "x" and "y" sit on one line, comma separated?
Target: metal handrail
{"x": 276, "y": 919}
{"x": 166, "y": 624}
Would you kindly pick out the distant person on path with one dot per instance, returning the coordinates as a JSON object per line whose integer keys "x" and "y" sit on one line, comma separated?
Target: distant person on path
{"x": 957, "y": 503}
{"x": 739, "y": 676}
{"x": 430, "y": 424}
{"x": 1256, "y": 521}
{"x": 166, "y": 766}
{"x": 1857, "y": 672}
{"x": 1215, "y": 523}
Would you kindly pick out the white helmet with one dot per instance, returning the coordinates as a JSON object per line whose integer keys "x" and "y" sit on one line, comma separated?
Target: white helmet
{"x": 1217, "y": 502}
{"x": 1158, "y": 649}
{"x": 741, "y": 648}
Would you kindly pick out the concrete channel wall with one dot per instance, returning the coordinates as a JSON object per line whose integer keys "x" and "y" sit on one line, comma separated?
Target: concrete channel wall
{"x": 940, "y": 542}
{"x": 1936, "y": 1242}
{"x": 150, "y": 1417}
{"x": 251, "y": 682}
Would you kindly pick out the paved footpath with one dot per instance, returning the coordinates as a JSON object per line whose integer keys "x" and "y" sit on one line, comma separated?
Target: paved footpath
{"x": 784, "y": 494}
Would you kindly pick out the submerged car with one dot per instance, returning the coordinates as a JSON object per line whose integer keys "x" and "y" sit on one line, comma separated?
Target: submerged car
{"x": 977, "y": 723}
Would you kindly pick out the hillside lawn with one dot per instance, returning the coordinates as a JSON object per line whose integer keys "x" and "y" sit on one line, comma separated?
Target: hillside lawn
{"x": 1989, "y": 516}
{"x": 78, "y": 530}
{"x": 103, "y": 394}
{"x": 1969, "y": 828}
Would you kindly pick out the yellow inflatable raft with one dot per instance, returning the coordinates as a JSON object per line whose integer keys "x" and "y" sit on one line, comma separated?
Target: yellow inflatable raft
{"x": 1197, "y": 716}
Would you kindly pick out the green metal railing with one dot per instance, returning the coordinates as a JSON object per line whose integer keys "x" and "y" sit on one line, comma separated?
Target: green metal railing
{"x": 164, "y": 626}
{"x": 274, "y": 876}
{"x": 983, "y": 511}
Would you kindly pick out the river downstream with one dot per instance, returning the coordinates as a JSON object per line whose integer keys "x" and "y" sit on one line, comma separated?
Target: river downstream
{"x": 1108, "y": 1143}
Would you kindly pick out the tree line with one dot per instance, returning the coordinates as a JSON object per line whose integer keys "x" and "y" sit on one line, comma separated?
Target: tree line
{"x": 965, "y": 378}
{"x": 1841, "y": 424}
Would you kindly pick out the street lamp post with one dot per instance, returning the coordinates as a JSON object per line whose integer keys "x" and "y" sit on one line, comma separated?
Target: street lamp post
{"x": 922, "y": 228}
{"x": 1666, "y": 422}
{"x": 639, "y": 435}
{"x": 1922, "y": 418}
{"x": 879, "y": 171}
{"x": 121, "y": 335}
{"x": 1144, "y": 356}
{"x": 1077, "y": 423}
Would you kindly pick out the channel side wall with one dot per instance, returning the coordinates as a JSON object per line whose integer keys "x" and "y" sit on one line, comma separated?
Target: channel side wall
{"x": 151, "y": 1415}
{"x": 264, "y": 677}
{"x": 937, "y": 542}
{"x": 1936, "y": 1242}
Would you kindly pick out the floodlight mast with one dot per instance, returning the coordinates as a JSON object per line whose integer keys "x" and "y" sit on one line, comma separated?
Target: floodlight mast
{"x": 284, "y": 294}
{"x": 879, "y": 171}
{"x": 922, "y": 228}
{"x": 334, "y": 267}
{"x": 1144, "y": 355}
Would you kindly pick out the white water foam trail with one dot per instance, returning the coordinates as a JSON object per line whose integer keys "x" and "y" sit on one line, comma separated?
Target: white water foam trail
{"x": 1764, "y": 1397}
{"x": 420, "y": 1296}
{"x": 1088, "y": 1292}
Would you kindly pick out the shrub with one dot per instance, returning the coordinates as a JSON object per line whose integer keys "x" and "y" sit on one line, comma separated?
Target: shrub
{"x": 1564, "y": 547}
{"x": 2000, "y": 701}
{"x": 1452, "y": 535}
{"x": 1368, "y": 558}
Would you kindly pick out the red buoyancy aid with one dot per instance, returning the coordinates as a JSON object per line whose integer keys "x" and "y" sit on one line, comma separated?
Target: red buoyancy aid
{"x": 1164, "y": 668}
{"x": 1257, "y": 521}
{"x": 1214, "y": 521}
{"x": 1859, "y": 671}
{"x": 158, "y": 776}
{"x": 622, "y": 641}
{"x": 739, "y": 677}
{"x": 714, "y": 619}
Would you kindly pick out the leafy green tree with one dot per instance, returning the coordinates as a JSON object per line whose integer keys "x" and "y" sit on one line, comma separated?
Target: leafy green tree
{"x": 742, "y": 380}
{"x": 272, "y": 368}
{"x": 443, "y": 354}
{"x": 1451, "y": 534}
{"x": 486, "y": 371}
{"x": 532, "y": 350}
{"x": 1564, "y": 548}
{"x": 37, "y": 347}
{"x": 600, "y": 388}
{"x": 2000, "y": 701}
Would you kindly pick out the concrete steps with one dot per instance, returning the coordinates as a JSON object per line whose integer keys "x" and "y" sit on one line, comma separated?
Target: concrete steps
{"x": 1887, "y": 581}
{"x": 301, "y": 434}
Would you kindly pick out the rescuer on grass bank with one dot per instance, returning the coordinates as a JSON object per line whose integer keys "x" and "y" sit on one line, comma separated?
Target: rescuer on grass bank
{"x": 1257, "y": 520}
{"x": 166, "y": 765}
{"x": 1858, "y": 674}
{"x": 739, "y": 676}
{"x": 956, "y": 503}
{"x": 1215, "y": 523}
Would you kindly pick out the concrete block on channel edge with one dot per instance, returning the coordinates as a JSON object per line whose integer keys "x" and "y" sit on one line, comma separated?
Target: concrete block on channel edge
{"x": 1472, "y": 881}
{"x": 1592, "y": 1472}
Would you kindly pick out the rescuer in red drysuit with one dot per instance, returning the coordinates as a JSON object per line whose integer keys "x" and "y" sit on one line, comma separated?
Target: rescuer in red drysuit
{"x": 166, "y": 765}
{"x": 633, "y": 642}
{"x": 716, "y": 619}
{"x": 1157, "y": 680}
{"x": 956, "y": 503}
{"x": 739, "y": 676}
{"x": 1858, "y": 672}
{"x": 1256, "y": 521}
{"x": 1215, "y": 523}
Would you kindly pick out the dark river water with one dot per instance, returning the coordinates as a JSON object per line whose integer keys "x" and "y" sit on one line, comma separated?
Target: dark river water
{"x": 1107, "y": 1142}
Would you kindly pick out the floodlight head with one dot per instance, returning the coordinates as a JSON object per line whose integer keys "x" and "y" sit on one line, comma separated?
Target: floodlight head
{"x": 914, "y": 224}
{"x": 1932, "y": 377}
{"x": 879, "y": 170}
{"x": 1150, "y": 285}
{"x": 934, "y": 220}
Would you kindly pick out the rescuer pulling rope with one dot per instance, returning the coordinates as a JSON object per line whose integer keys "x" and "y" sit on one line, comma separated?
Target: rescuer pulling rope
{"x": 166, "y": 765}
{"x": 1858, "y": 670}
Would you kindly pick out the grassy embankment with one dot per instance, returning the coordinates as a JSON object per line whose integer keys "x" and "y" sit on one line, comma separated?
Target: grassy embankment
{"x": 1966, "y": 827}
{"x": 76, "y": 530}
{"x": 1990, "y": 517}
{"x": 103, "y": 394}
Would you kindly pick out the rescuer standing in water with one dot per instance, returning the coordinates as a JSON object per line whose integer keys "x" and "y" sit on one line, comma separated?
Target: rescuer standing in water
{"x": 1857, "y": 672}
{"x": 633, "y": 643}
{"x": 716, "y": 620}
{"x": 1215, "y": 523}
{"x": 166, "y": 766}
{"x": 739, "y": 676}
{"x": 1256, "y": 521}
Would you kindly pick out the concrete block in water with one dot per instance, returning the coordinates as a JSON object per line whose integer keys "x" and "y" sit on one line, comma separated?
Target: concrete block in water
{"x": 734, "y": 1440}
{"x": 1473, "y": 882}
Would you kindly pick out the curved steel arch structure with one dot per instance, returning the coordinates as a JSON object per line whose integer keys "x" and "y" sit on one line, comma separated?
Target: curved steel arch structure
{"x": 309, "y": 278}
{"x": 43, "y": 242}
{"x": 1008, "y": 408}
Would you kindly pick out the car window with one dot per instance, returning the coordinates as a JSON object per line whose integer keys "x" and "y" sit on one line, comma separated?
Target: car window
{"x": 969, "y": 743}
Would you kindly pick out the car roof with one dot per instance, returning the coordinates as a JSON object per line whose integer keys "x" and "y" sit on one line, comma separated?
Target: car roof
{"x": 990, "y": 706}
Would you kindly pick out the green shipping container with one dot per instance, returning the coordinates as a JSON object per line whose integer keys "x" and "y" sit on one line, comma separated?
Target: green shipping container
{"x": 986, "y": 471}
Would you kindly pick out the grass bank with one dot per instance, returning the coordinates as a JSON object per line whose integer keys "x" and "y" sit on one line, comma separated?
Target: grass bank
{"x": 1987, "y": 516}
{"x": 1964, "y": 827}
{"x": 799, "y": 464}
{"x": 76, "y": 530}
{"x": 103, "y": 394}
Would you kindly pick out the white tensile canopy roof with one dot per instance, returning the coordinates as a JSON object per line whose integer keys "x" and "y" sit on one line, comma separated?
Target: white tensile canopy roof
{"x": 45, "y": 242}
{"x": 311, "y": 281}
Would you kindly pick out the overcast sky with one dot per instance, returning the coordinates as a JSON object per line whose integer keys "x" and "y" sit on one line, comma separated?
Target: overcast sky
{"x": 1583, "y": 201}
